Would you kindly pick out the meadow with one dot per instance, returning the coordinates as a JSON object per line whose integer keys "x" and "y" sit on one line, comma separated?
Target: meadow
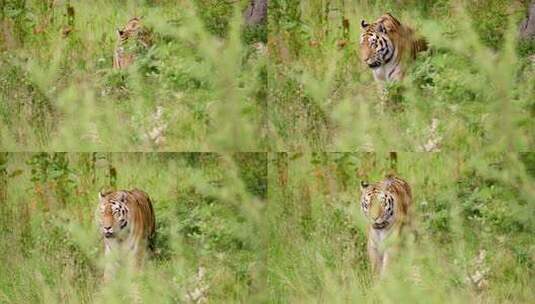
{"x": 208, "y": 210}
{"x": 470, "y": 241}
{"x": 199, "y": 87}
{"x": 268, "y": 228}
{"x": 252, "y": 142}
{"x": 473, "y": 88}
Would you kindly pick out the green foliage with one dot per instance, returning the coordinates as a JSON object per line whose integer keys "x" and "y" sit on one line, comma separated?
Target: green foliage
{"x": 253, "y": 171}
{"x": 463, "y": 204}
{"x": 215, "y": 15}
{"x": 323, "y": 97}
{"x": 526, "y": 47}
{"x": 51, "y": 172}
{"x": 489, "y": 19}
{"x": 265, "y": 227}
{"x": 255, "y": 33}
{"x": 196, "y": 86}
{"x": 206, "y": 218}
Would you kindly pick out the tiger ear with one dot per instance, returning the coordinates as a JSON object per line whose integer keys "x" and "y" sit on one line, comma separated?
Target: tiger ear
{"x": 100, "y": 197}
{"x": 122, "y": 197}
{"x": 120, "y": 33}
{"x": 381, "y": 28}
{"x": 364, "y": 184}
{"x": 363, "y": 24}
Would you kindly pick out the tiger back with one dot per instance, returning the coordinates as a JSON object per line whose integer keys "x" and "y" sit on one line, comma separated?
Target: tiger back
{"x": 386, "y": 205}
{"x": 387, "y": 46}
{"x": 127, "y": 221}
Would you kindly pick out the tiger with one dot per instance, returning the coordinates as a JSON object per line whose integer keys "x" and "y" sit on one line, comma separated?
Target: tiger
{"x": 386, "y": 206}
{"x": 127, "y": 222}
{"x": 138, "y": 35}
{"x": 386, "y": 46}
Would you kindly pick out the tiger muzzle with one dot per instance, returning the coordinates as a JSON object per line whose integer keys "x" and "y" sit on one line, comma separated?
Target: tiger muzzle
{"x": 108, "y": 232}
{"x": 381, "y": 225}
{"x": 374, "y": 65}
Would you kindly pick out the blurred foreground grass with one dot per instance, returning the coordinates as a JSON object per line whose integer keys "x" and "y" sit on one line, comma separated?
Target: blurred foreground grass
{"x": 208, "y": 210}
{"x": 200, "y": 87}
{"x": 274, "y": 228}
{"x": 473, "y": 89}
{"x": 473, "y": 221}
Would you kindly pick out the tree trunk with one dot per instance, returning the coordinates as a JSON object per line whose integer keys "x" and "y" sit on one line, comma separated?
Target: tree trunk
{"x": 527, "y": 27}
{"x": 3, "y": 177}
{"x": 256, "y": 12}
{"x": 112, "y": 173}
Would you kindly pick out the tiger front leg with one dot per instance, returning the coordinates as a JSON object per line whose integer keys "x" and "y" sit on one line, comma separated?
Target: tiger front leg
{"x": 137, "y": 249}
{"x": 109, "y": 268}
{"x": 107, "y": 246}
{"x": 375, "y": 257}
{"x": 384, "y": 263}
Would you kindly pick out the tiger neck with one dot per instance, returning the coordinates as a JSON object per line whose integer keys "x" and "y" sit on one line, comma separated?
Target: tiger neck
{"x": 378, "y": 236}
{"x": 391, "y": 71}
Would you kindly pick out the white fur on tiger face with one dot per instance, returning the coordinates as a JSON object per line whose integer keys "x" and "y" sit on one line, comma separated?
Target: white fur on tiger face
{"x": 386, "y": 46}
{"x": 113, "y": 217}
{"x": 378, "y": 206}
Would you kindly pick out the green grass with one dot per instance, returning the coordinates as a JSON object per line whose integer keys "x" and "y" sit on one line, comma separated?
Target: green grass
{"x": 464, "y": 204}
{"x": 200, "y": 81}
{"x": 208, "y": 209}
{"x": 266, "y": 227}
{"x": 273, "y": 228}
{"x": 476, "y": 81}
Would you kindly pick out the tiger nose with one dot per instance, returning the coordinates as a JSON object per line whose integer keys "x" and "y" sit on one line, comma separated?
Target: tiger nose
{"x": 375, "y": 214}
{"x": 108, "y": 232}
{"x": 373, "y": 64}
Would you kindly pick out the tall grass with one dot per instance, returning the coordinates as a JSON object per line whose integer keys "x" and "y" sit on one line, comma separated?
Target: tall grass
{"x": 472, "y": 229}
{"x": 208, "y": 210}
{"x": 198, "y": 88}
{"x": 278, "y": 227}
{"x": 475, "y": 86}
{"x": 245, "y": 228}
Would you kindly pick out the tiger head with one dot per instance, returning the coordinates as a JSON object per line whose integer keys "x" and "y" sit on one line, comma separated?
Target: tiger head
{"x": 376, "y": 47}
{"x": 132, "y": 27}
{"x": 377, "y": 205}
{"x": 113, "y": 213}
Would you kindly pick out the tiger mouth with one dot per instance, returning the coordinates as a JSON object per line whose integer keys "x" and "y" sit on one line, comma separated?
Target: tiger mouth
{"x": 108, "y": 235}
{"x": 379, "y": 225}
{"x": 374, "y": 65}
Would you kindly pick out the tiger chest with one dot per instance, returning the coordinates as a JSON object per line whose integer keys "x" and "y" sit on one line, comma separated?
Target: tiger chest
{"x": 378, "y": 237}
{"x": 388, "y": 72}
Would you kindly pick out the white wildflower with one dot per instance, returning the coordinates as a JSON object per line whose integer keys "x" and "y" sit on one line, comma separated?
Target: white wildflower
{"x": 434, "y": 140}
{"x": 198, "y": 293}
{"x": 479, "y": 271}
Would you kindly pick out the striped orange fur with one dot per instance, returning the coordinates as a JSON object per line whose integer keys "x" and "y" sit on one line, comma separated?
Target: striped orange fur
{"x": 387, "y": 46}
{"x": 127, "y": 222}
{"x": 386, "y": 205}
{"x": 133, "y": 30}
